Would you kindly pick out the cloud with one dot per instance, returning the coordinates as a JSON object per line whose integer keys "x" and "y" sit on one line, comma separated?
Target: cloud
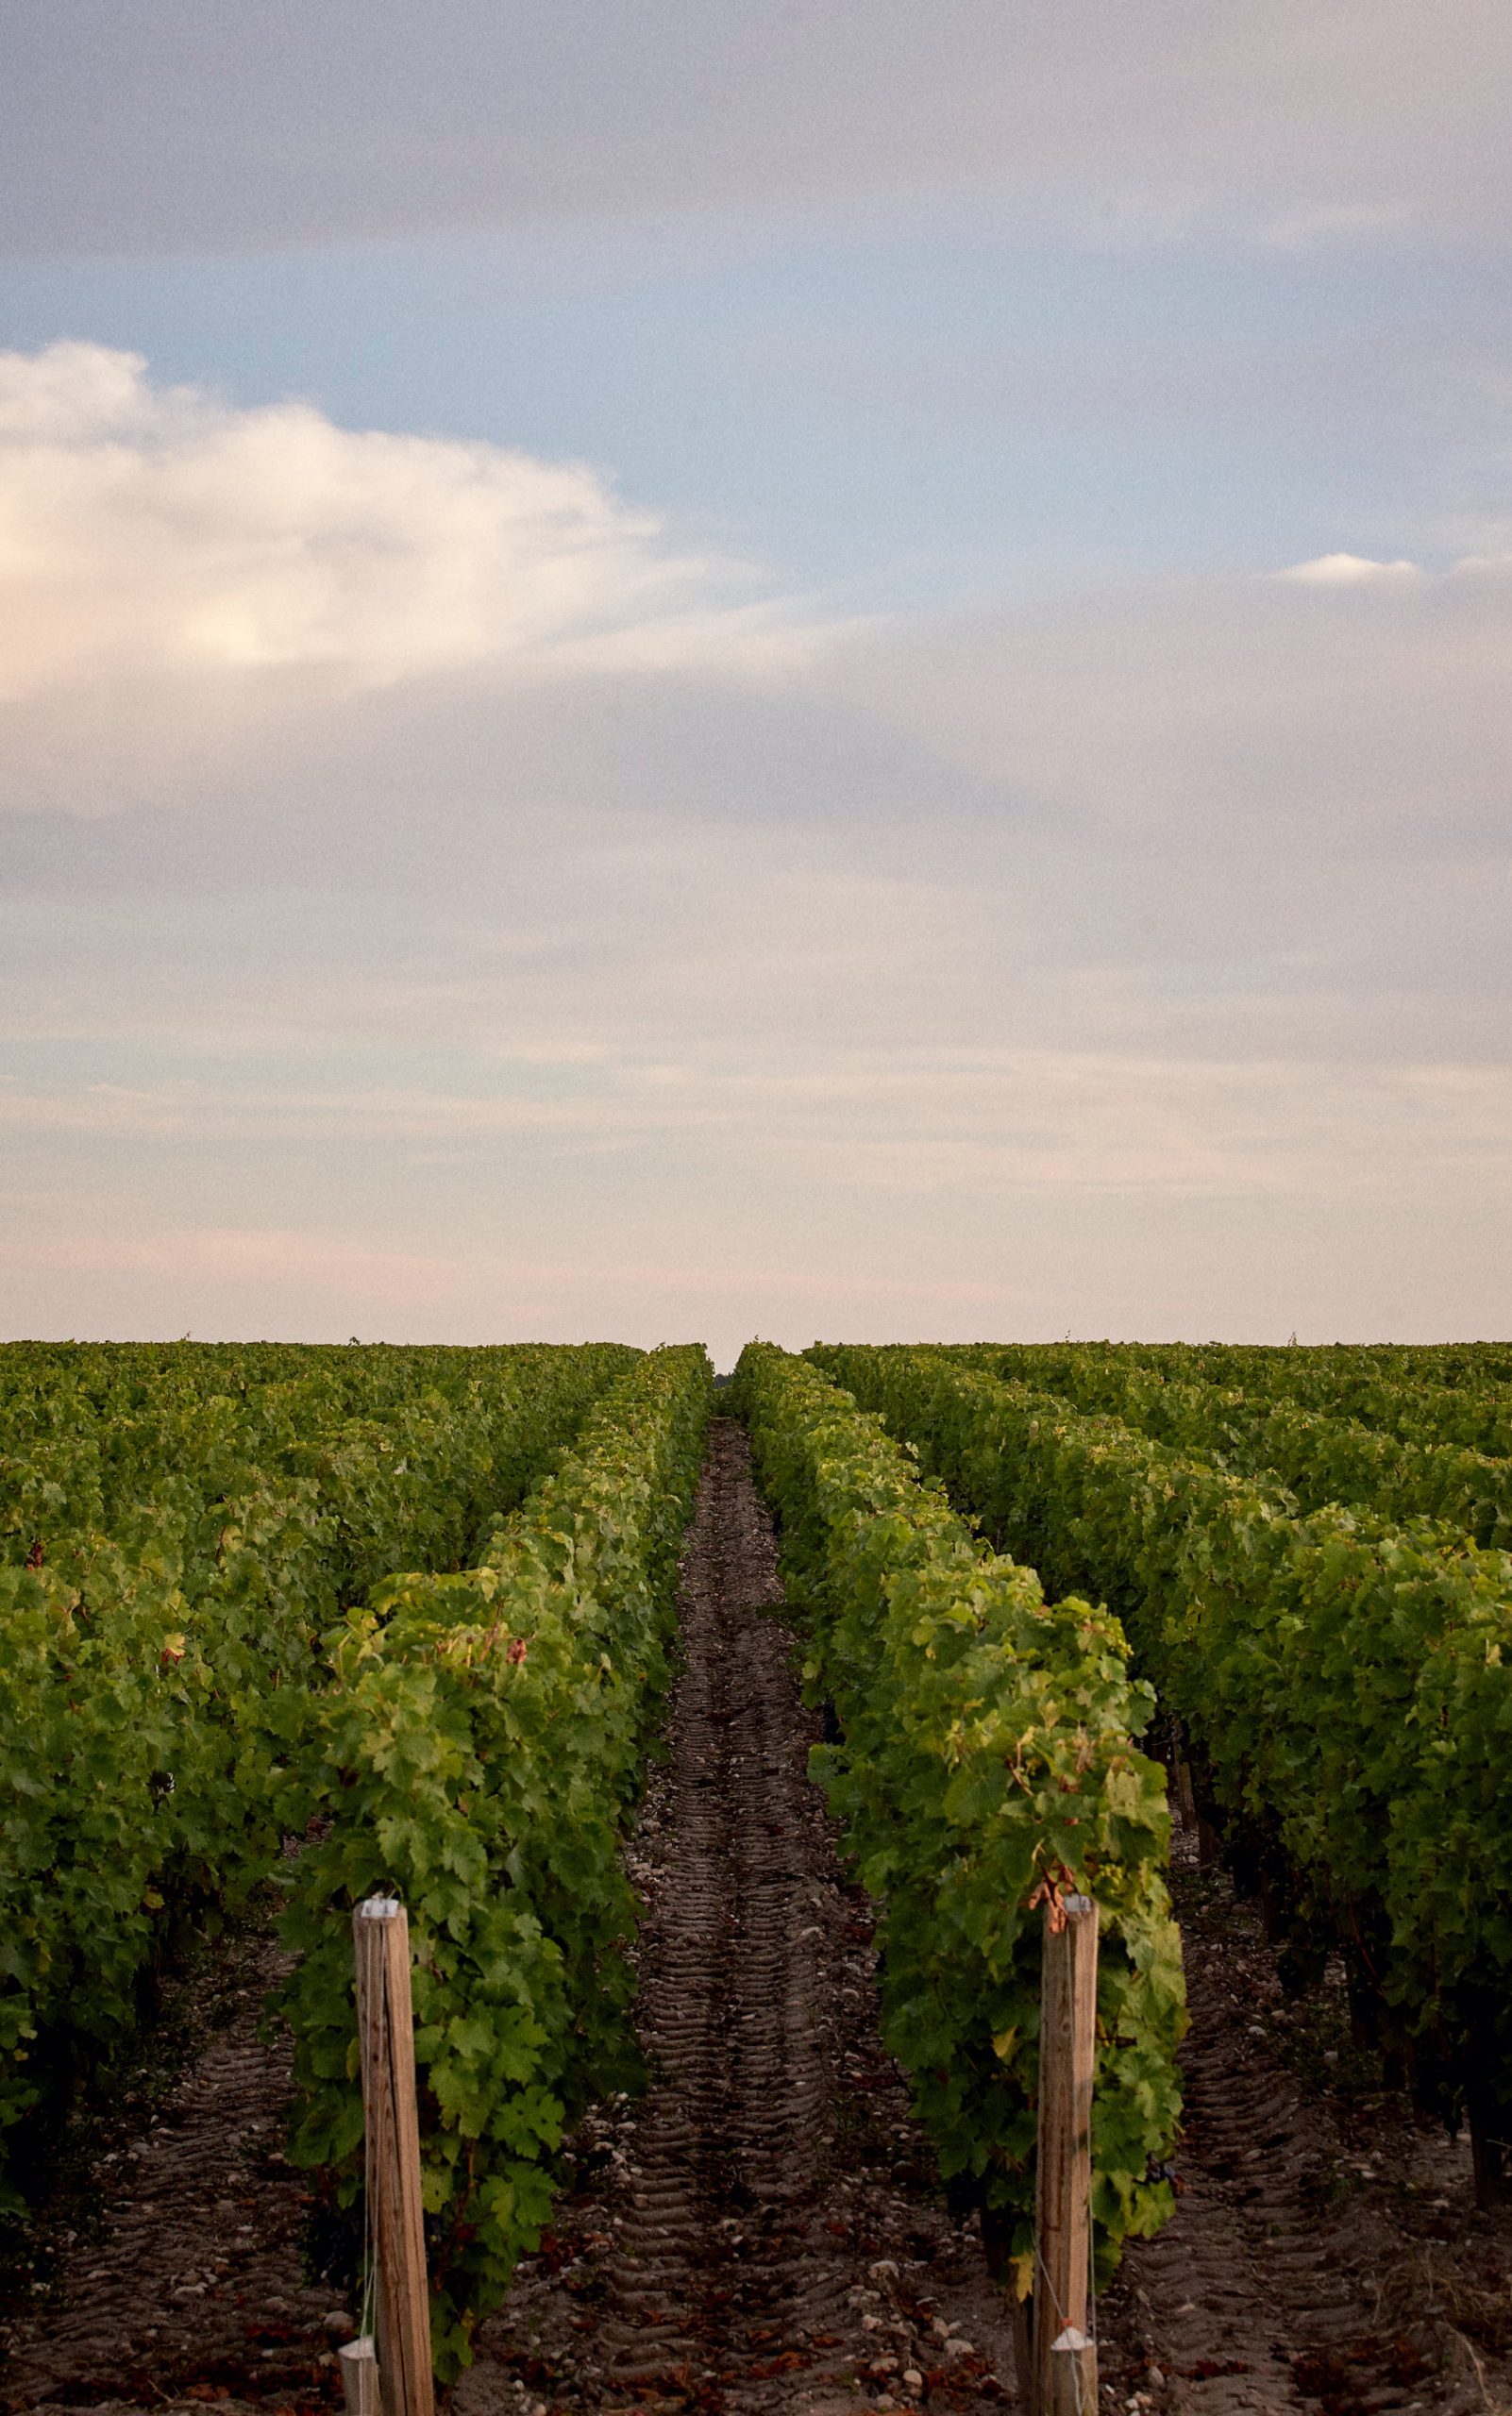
{"x": 1346, "y": 570}
{"x": 1350, "y": 707}
{"x": 561, "y": 945}
{"x": 1022, "y": 1193}
{"x": 312, "y": 1284}
{"x": 1304, "y": 230}
{"x": 212, "y": 605}
{"x": 153, "y": 535}
{"x": 206, "y": 124}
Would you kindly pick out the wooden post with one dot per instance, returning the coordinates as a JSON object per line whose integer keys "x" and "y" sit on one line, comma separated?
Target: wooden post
{"x": 360, "y": 2377}
{"x": 1073, "y": 2375}
{"x": 1064, "y": 2360}
{"x": 385, "y": 2020}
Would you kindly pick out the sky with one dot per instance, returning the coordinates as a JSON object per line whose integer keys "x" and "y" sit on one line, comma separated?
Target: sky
{"x": 676, "y": 670}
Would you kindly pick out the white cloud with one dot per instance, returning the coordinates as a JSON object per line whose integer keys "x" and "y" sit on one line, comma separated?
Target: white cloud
{"x": 153, "y": 534}
{"x": 1347, "y": 570}
{"x": 1138, "y": 958}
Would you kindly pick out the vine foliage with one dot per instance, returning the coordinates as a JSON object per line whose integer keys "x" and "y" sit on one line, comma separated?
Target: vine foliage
{"x": 1345, "y": 1678}
{"x": 177, "y": 1527}
{"x": 987, "y": 1765}
{"x": 477, "y": 1752}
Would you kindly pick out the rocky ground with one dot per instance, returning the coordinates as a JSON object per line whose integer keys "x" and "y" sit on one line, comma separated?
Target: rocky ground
{"x": 1326, "y": 2252}
{"x": 169, "y": 2262}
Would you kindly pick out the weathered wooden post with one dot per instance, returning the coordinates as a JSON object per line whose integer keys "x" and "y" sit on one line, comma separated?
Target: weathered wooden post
{"x": 1064, "y": 2359}
{"x": 385, "y": 2019}
{"x": 360, "y": 2377}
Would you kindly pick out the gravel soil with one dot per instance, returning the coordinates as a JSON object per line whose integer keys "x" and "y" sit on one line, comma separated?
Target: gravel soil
{"x": 168, "y": 2261}
{"x": 760, "y": 2230}
{"x": 1326, "y": 2253}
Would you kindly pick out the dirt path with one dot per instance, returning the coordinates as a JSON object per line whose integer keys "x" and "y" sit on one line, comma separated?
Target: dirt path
{"x": 1325, "y": 2254}
{"x": 185, "y": 2272}
{"x": 759, "y": 2230}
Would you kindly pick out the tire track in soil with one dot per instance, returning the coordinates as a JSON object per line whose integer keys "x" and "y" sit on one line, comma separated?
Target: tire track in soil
{"x": 1279, "y": 2283}
{"x": 192, "y": 2280}
{"x": 759, "y": 2230}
